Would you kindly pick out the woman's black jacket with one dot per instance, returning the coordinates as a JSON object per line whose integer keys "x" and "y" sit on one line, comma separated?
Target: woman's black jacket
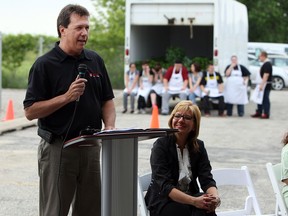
{"x": 165, "y": 172}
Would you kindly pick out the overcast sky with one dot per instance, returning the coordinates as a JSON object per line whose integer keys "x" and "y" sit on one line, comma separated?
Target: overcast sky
{"x": 34, "y": 16}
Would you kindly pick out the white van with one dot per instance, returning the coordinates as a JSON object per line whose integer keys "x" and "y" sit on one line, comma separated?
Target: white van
{"x": 255, "y": 48}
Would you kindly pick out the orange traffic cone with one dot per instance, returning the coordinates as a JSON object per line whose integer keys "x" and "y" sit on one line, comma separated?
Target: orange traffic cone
{"x": 10, "y": 111}
{"x": 155, "y": 118}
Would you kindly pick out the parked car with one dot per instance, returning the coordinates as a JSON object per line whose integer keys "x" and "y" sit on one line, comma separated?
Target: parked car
{"x": 257, "y": 47}
{"x": 251, "y": 57}
{"x": 281, "y": 58}
{"x": 280, "y": 71}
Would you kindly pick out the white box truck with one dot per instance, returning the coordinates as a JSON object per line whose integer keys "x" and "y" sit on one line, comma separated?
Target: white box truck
{"x": 215, "y": 29}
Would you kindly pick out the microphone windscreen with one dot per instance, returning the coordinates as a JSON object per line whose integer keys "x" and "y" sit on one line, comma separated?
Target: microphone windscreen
{"x": 82, "y": 68}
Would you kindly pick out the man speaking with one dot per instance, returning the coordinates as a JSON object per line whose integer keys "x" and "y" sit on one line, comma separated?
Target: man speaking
{"x": 68, "y": 91}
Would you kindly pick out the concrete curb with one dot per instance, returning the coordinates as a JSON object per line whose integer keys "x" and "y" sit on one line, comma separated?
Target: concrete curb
{"x": 16, "y": 124}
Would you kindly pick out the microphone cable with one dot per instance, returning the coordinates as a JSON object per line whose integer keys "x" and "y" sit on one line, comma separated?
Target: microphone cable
{"x": 82, "y": 68}
{"x": 61, "y": 151}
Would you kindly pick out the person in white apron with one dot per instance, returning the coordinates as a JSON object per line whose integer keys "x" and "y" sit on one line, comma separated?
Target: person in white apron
{"x": 194, "y": 82}
{"x": 145, "y": 85}
{"x": 175, "y": 84}
{"x": 131, "y": 87}
{"x": 212, "y": 87}
{"x": 155, "y": 95}
{"x": 235, "y": 90}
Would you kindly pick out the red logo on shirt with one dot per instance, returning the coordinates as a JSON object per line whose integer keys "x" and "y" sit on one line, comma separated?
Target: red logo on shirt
{"x": 93, "y": 74}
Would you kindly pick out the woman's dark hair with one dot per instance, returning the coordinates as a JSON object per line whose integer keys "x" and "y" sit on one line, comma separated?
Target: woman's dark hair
{"x": 65, "y": 14}
{"x": 145, "y": 62}
{"x": 285, "y": 139}
{"x": 157, "y": 66}
{"x": 132, "y": 63}
{"x": 196, "y": 66}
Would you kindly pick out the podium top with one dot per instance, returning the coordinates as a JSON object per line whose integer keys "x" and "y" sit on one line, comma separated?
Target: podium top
{"x": 140, "y": 134}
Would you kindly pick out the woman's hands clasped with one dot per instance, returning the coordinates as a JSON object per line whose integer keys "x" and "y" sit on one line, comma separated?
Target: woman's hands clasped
{"x": 208, "y": 202}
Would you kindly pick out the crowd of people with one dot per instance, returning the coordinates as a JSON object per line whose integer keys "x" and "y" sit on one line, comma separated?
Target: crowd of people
{"x": 156, "y": 86}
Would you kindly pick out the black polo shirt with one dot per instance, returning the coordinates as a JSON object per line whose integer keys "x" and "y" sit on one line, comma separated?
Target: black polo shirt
{"x": 52, "y": 74}
{"x": 267, "y": 68}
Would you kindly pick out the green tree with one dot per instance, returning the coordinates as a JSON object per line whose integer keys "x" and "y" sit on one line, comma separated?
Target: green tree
{"x": 14, "y": 50}
{"x": 19, "y": 53}
{"x": 107, "y": 37}
{"x": 111, "y": 20}
{"x": 268, "y": 20}
{"x": 48, "y": 42}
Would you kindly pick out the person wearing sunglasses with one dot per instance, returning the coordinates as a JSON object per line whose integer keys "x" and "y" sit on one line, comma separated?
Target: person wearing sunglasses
{"x": 177, "y": 160}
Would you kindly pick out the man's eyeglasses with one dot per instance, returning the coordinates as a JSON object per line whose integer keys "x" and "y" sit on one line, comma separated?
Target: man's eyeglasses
{"x": 185, "y": 117}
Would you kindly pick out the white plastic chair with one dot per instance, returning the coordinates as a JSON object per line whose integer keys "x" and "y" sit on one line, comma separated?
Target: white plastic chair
{"x": 274, "y": 172}
{"x": 238, "y": 177}
{"x": 143, "y": 184}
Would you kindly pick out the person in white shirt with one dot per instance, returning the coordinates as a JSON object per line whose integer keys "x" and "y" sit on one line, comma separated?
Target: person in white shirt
{"x": 155, "y": 95}
{"x": 131, "y": 87}
{"x": 194, "y": 82}
{"x": 145, "y": 84}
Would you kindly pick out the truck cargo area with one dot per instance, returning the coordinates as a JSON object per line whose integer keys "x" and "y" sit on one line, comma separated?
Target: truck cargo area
{"x": 152, "y": 41}
{"x": 212, "y": 29}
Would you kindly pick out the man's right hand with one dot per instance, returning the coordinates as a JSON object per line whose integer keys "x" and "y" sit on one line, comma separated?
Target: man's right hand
{"x": 76, "y": 89}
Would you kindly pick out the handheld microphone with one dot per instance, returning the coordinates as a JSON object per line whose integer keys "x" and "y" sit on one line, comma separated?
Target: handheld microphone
{"x": 82, "y": 68}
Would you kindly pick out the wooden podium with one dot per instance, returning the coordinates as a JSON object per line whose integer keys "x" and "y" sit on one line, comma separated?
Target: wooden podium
{"x": 119, "y": 166}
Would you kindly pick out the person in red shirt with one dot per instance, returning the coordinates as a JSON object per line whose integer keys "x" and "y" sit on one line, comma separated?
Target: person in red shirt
{"x": 174, "y": 84}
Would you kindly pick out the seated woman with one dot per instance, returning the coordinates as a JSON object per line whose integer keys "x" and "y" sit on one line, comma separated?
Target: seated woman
{"x": 155, "y": 95}
{"x": 145, "y": 84}
{"x": 195, "y": 77}
{"x": 177, "y": 161}
{"x": 284, "y": 172}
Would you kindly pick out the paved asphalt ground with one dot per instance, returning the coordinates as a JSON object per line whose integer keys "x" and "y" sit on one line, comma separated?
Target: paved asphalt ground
{"x": 230, "y": 142}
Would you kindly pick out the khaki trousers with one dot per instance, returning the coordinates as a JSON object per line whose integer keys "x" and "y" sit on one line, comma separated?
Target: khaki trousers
{"x": 78, "y": 182}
